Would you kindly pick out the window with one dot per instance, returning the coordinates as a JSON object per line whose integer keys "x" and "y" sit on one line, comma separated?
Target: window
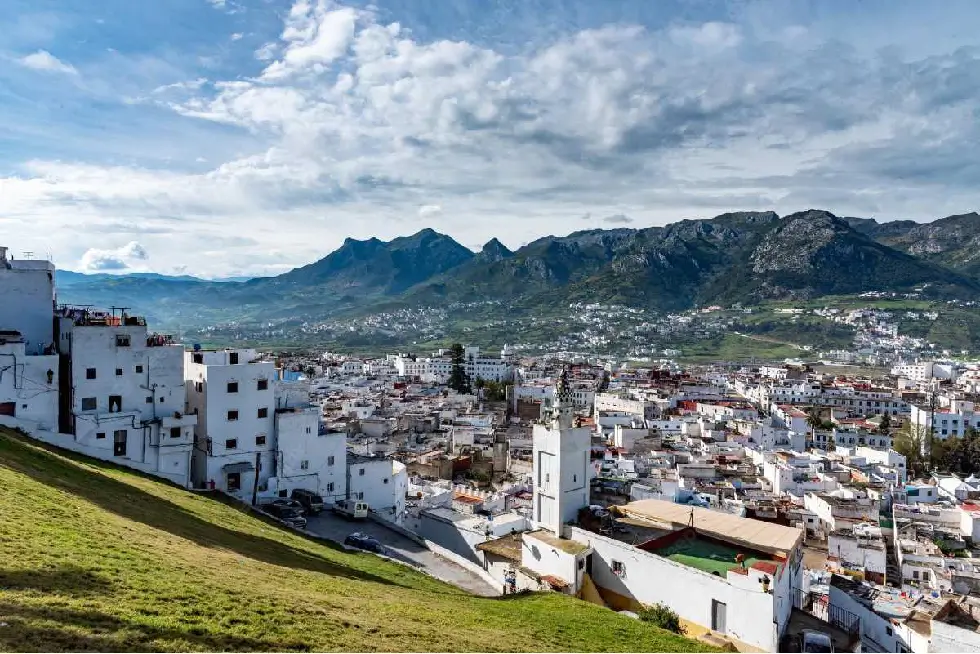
{"x": 231, "y": 444}
{"x": 262, "y": 385}
{"x": 122, "y": 340}
{"x": 915, "y": 574}
{"x": 199, "y": 387}
{"x": 330, "y": 487}
{"x": 618, "y": 568}
{"x": 385, "y": 480}
{"x": 118, "y": 372}
{"x": 233, "y": 358}
{"x": 233, "y": 481}
{"x": 232, "y": 415}
{"x": 359, "y": 496}
{"x": 232, "y": 387}
{"x": 90, "y": 373}
{"x": 888, "y": 630}
{"x": 304, "y": 465}
{"x": 175, "y": 432}
{"x": 138, "y": 369}
{"x": 574, "y": 478}
{"x": 198, "y": 358}
{"x": 283, "y": 493}
{"x": 149, "y": 399}
{"x": 330, "y": 460}
{"x": 264, "y": 412}
{"x": 100, "y": 434}
{"x": 89, "y": 404}
{"x": 361, "y": 472}
{"x": 260, "y": 440}
{"x": 308, "y": 431}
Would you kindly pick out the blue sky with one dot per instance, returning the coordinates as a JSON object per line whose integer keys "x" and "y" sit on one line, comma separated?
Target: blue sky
{"x": 228, "y": 137}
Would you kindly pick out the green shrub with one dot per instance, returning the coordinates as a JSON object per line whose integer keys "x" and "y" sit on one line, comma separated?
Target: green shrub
{"x": 662, "y": 616}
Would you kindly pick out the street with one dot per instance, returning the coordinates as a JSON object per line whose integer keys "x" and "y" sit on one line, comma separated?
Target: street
{"x": 336, "y": 528}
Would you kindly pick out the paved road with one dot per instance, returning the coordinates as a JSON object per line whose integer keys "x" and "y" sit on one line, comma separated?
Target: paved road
{"x": 330, "y": 525}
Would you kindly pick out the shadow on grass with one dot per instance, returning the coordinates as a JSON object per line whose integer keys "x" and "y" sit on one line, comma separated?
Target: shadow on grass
{"x": 41, "y": 628}
{"x": 39, "y": 462}
{"x": 68, "y": 580}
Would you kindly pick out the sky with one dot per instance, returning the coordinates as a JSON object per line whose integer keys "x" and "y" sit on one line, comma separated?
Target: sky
{"x": 248, "y": 137}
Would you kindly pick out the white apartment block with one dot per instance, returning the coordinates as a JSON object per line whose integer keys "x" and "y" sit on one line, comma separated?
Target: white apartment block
{"x": 28, "y": 361}
{"x": 258, "y": 434}
{"x": 952, "y": 421}
{"x": 925, "y": 371}
{"x": 439, "y": 368}
{"x": 28, "y": 303}
{"x": 122, "y": 393}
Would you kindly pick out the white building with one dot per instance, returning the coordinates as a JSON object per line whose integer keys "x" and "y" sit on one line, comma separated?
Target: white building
{"x": 28, "y": 384}
{"x": 381, "y": 483}
{"x": 255, "y": 434}
{"x": 561, "y": 465}
{"x": 27, "y": 289}
{"x": 28, "y": 360}
{"x": 123, "y": 397}
{"x": 953, "y": 420}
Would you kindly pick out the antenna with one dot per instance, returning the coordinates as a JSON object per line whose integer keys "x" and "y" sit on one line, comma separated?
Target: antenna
{"x": 28, "y": 255}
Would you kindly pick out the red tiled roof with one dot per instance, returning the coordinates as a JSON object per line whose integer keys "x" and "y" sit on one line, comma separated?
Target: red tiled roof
{"x": 766, "y": 566}
{"x": 555, "y": 582}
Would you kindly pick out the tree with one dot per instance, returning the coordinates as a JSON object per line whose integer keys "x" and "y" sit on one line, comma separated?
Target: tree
{"x": 458, "y": 380}
{"x": 813, "y": 421}
{"x": 912, "y": 442}
{"x": 886, "y": 423}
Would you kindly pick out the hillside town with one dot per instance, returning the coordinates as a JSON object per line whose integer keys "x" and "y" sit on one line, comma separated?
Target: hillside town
{"x": 764, "y": 505}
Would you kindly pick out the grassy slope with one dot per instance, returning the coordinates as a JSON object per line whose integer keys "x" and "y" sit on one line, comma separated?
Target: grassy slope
{"x": 93, "y": 557}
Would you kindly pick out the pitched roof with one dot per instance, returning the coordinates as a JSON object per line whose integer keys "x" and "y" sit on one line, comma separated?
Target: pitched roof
{"x": 763, "y": 536}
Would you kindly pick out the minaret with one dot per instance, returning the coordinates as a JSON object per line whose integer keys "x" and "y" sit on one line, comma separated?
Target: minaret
{"x": 561, "y": 463}
{"x": 564, "y": 408}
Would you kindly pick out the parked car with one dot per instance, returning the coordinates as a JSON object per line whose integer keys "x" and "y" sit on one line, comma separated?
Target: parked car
{"x": 351, "y": 509}
{"x": 815, "y": 641}
{"x": 365, "y": 542}
{"x": 312, "y": 502}
{"x": 287, "y": 514}
{"x": 293, "y": 504}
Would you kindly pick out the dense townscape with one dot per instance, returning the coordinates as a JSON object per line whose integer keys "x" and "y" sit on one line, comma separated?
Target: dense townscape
{"x": 778, "y": 506}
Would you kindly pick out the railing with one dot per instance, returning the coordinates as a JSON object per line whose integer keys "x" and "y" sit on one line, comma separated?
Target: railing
{"x": 820, "y": 607}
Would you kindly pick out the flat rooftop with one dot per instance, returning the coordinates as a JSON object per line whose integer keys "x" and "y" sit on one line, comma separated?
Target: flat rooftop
{"x": 563, "y": 544}
{"x": 766, "y": 537}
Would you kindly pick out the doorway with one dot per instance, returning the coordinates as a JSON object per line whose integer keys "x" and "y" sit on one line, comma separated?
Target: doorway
{"x": 718, "y": 616}
{"x": 234, "y": 481}
{"x": 119, "y": 438}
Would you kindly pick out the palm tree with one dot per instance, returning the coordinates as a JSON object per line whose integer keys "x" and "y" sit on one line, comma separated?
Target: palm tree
{"x": 813, "y": 421}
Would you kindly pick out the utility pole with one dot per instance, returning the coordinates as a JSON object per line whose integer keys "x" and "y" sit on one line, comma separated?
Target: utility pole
{"x": 255, "y": 483}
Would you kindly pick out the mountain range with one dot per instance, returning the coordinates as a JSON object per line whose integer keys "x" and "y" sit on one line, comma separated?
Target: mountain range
{"x": 745, "y": 257}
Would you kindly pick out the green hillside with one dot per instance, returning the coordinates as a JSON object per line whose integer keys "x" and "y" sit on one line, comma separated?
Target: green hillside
{"x": 98, "y": 558}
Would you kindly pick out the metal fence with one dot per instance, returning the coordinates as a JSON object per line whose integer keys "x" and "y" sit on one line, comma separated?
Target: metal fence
{"x": 820, "y": 607}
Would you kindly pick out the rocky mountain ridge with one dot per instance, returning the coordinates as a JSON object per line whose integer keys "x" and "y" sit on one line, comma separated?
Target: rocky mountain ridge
{"x": 735, "y": 257}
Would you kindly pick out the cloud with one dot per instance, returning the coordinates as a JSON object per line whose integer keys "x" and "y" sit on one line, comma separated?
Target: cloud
{"x": 427, "y": 210}
{"x": 44, "y": 60}
{"x": 121, "y": 258}
{"x": 236, "y": 36}
{"x": 349, "y": 124}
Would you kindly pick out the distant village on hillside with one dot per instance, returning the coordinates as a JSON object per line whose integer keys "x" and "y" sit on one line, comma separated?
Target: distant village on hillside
{"x": 761, "y": 505}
